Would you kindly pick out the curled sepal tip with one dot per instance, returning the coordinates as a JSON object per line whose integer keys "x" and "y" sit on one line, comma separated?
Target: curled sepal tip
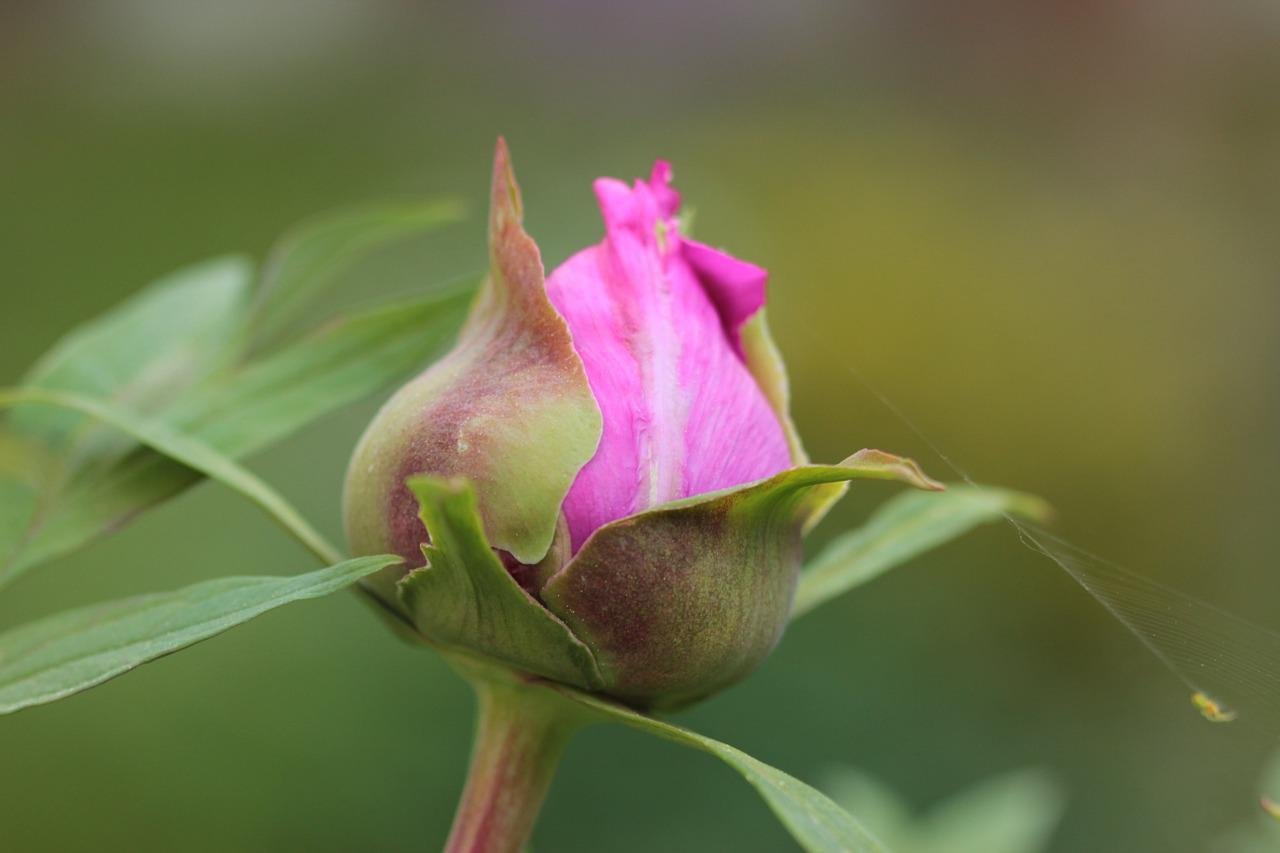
{"x": 465, "y": 598}
{"x": 875, "y": 465}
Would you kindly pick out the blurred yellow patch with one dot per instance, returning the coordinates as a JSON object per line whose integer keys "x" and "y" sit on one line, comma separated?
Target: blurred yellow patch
{"x": 1270, "y": 806}
{"x": 1211, "y": 709}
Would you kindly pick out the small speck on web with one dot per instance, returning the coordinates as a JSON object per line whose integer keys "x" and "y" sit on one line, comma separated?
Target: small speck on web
{"x": 1211, "y": 709}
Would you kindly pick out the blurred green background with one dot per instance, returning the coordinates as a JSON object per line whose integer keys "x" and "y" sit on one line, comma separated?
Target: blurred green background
{"x": 1047, "y": 232}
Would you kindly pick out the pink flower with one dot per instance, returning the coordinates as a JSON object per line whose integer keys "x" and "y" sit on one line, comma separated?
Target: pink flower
{"x": 656, "y": 319}
{"x": 599, "y": 484}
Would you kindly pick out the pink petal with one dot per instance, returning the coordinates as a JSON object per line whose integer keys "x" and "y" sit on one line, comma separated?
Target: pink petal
{"x": 655, "y": 319}
{"x": 736, "y": 287}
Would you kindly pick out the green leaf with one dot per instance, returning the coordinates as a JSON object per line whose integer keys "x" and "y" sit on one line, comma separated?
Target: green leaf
{"x": 142, "y": 354}
{"x": 816, "y": 823}
{"x": 879, "y": 807}
{"x": 905, "y": 527}
{"x": 1260, "y": 832}
{"x": 465, "y": 598}
{"x": 1270, "y": 781}
{"x": 351, "y": 357}
{"x": 174, "y": 354}
{"x": 244, "y": 412}
{"x": 1013, "y": 813}
{"x": 147, "y": 350}
{"x": 73, "y": 651}
{"x": 307, "y": 260}
{"x": 190, "y": 452}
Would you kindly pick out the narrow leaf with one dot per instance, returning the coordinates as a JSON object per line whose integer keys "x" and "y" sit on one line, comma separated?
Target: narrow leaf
{"x": 183, "y": 352}
{"x": 816, "y": 823}
{"x": 1013, "y": 813}
{"x": 904, "y": 527}
{"x": 67, "y": 503}
{"x": 307, "y": 261}
{"x": 73, "y": 651}
{"x": 190, "y": 452}
{"x": 143, "y": 352}
{"x": 1010, "y": 813}
{"x": 348, "y": 359}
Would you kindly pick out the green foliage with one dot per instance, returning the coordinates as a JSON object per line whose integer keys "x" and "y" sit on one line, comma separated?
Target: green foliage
{"x": 1013, "y": 813}
{"x": 168, "y": 337}
{"x": 306, "y": 262}
{"x": 1260, "y": 833}
{"x": 182, "y": 356}
{"x": 816, "y": 823}
{"x": 177, "y": 447}
{"x": 69, "y": 652}
{"x": 905, "y": 527}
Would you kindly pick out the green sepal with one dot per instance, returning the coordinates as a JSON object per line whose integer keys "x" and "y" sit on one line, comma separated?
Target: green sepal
{"x": 764, "y": 360}
{"x": 687, "y": 598}
{"x": 509, "y": 408}
{"x": 465, "y": 598}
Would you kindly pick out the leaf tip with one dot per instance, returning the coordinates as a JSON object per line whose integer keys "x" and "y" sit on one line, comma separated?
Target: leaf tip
{"x": 1034, "y": 508}
{"x": 505, "y": 204}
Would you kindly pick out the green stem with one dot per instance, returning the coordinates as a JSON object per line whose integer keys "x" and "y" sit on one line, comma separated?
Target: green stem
{"x": 520, "y": 735}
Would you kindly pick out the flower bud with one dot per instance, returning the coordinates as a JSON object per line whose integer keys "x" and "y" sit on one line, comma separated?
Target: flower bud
{"x": 614, "y": 495}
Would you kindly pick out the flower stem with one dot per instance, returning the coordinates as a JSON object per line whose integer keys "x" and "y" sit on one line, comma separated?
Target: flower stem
{"x": 520, "y": 735}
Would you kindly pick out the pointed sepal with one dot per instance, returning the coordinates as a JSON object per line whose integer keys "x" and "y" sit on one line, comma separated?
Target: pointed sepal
{"x": 509, "y": 408}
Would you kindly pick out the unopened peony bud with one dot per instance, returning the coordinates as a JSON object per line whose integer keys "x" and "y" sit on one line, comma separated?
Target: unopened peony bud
{"x": 621, "y": 430}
